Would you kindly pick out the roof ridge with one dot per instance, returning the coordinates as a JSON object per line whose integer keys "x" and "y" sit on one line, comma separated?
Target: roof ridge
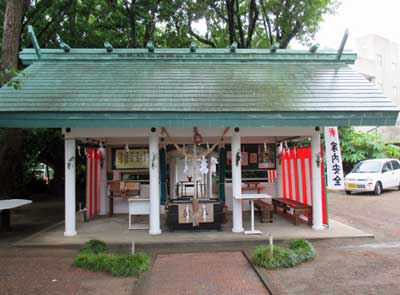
{"x": 29, "y": 55}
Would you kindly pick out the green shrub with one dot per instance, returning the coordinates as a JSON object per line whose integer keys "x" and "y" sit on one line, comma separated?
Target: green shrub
{"x": 95, "y": 247}
{"x": 299, "y": 251}
{"x": 92, "y": 257}
{"x": 94, "y": 262}
{"x": 303, "y": 249}
{"x": 130, "y": 265}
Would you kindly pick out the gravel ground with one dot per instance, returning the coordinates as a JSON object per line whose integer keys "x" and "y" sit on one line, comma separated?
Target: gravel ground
{"x": 351, "y": 266}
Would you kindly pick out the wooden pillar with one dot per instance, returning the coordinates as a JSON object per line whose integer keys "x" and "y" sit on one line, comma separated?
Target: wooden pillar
{"x": 172, "y": 178}
{"x": 154, "y": 168}
{"x": 209, "y": 178}
{"x": 316, "y": 180}
{"x": 278, "y": 181}
{"x": 163, "y": 176}
{"x": 236, "y": 183}
{"x": 221, "y": 173}
{"x": 70, "y": 188}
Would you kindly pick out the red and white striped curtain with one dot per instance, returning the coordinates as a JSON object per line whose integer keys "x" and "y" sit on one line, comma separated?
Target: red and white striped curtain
{"x": 297, "y": 177}
{"x": 92, "y": 182}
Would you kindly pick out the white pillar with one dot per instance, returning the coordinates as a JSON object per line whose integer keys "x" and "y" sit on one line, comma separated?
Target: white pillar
{"x": 316, "y": 180}
{"x": 236, "y": 184}
{"x": 70, "y": 188}
{"x": 278, "y": 181}
{"x": 154, "y": 168}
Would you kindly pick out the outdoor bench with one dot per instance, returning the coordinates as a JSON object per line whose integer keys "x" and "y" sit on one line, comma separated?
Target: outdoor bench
{"x": 265, "y": 210}
{"x": 298, "y": 208}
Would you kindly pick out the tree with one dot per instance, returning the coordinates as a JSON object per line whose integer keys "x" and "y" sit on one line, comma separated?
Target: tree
{"x": 357, "y": 146}
{"x": 11, "y": 156}
{"x": 260, "y": 23}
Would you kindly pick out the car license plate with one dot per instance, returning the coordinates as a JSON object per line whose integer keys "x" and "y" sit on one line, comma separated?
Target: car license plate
{"x": 351, "y": 185}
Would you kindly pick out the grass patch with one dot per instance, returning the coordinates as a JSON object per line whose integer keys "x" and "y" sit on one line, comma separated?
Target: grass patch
{"x": 93, "y": 256}
{"x": 299, "y": 251}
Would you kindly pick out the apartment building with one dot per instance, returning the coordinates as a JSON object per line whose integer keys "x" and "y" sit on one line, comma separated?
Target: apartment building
{"x": 379, "y": 61}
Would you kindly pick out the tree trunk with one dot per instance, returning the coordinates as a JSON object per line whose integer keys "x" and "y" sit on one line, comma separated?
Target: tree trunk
{"x": 11, "y": 35}
{"x": 231, "y": 20}
{"x": 131, "y": 11}
{"x": 11, "y": 156}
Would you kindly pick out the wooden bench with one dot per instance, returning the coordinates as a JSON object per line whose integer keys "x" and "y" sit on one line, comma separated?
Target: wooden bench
{"x": 265, "y": 210}
{"x": 298, "y": 208}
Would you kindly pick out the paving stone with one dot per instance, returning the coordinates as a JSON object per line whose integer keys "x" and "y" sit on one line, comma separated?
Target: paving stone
{"x": 203, "y": 273}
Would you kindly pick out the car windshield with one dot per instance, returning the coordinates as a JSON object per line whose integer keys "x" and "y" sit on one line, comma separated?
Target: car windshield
{"x": 367, "y": 167}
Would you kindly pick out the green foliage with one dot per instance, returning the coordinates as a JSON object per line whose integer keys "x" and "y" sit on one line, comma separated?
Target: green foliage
{"x": 94, "y": 247}
{"x": 172, "y": 23}
{"x": 93, "y": 257}
{"x": 130, "y": 265}
{"x": 274, "y": 20}
{"x": 357, "y": 146}
{"x": 299, "y": 251}
{"x": 392, "y": 151}
{"x": 11, "y": 78}
{"x": 95, "y": 262}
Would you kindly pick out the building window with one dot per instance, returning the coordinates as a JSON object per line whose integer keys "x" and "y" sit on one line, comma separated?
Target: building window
{"x": 379, "y": 60}
{"x": 394, "y": 91}
{"x": 394, "y": 67}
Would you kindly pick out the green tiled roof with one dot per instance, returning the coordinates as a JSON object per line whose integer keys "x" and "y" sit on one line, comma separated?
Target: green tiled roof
{"x": 173, "y": 87}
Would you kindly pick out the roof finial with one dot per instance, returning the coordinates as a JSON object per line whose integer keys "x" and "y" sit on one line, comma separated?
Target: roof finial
{"x": 63, "y": 45}
{"x": 34, "y": 41}
{"x": 314, "y": 48}
{"x": 150, "y": 46}
{"x": 193, "y": 47}
{"x": 234, "y": 46}
{"x": 274, "y": 47}
{"x": 108, "y": 46}
{"x": 342, "y": 44}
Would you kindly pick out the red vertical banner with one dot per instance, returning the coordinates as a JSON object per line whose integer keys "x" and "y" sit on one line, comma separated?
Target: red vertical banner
{"x": 92, "y": 182}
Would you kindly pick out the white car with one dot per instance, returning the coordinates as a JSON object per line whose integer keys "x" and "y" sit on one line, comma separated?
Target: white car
{"x": 373, "y": 176}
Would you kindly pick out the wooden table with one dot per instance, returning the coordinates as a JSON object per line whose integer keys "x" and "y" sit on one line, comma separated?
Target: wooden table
{"x": 5, "y": 209}
{"x": 251, "y": 198}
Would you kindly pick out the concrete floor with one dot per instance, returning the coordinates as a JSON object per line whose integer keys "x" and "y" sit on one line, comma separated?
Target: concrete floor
{"x": 115, "y": 231}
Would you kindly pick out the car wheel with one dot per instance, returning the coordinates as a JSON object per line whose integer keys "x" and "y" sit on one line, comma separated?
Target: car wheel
{"x": 348, "y": 192}
{"x": 378, "y": 188}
